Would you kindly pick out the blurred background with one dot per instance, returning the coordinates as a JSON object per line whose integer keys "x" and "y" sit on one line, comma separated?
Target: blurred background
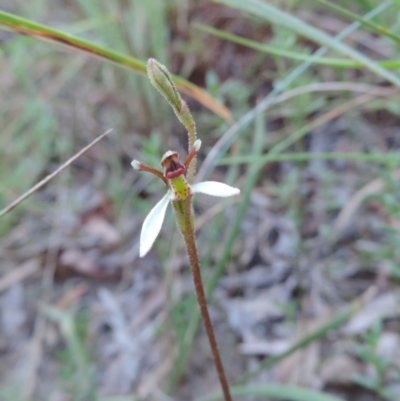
{"x": 302, "y": 269}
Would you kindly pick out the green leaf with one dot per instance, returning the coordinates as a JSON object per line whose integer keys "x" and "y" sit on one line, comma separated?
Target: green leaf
{"x": 276, "y": 16}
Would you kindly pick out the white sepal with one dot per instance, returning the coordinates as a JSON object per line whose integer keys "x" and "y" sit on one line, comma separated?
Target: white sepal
{"x": 215, "y": 189}
{"x": 135, "y": 164}
{"x": 152, "y": 224}
{"x": 197, "y": 145}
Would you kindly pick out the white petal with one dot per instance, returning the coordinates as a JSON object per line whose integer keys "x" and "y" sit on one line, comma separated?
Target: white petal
{"x": 152, "y": 224}
{"x": 215, "y": 189}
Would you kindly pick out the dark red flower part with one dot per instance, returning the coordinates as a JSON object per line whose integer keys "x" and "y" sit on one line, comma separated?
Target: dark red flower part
{"x": 172, "y": 165}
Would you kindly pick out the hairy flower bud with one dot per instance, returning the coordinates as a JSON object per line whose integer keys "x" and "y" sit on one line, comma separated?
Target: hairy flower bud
{"x": 161, "y": 79}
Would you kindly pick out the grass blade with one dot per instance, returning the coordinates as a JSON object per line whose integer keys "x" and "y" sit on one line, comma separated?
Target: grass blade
{"x": 43, "y": 32}
{"x": 277, "y": 51}
{"x": 372, "y": 25}
{"x": 277, "y": 391}
{"x": 369, "y": 157}
{"x": 276, "y": 16}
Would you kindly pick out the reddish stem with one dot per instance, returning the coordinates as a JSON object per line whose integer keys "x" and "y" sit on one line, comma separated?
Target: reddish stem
{"x": 190, "y": 242}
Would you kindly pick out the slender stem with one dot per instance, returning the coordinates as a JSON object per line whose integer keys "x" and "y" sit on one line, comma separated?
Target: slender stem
{"x": 190, "y": 242}
{"x": 192, "y": 165}
{"x": 187, "y": 120}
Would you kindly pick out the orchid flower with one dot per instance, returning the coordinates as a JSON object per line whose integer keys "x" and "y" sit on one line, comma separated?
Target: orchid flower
{"x": 174, "y": 177}
{"x": 179, "y": 178}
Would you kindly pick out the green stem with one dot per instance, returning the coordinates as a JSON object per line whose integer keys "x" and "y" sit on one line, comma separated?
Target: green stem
{"x": 185, "y": 117}
{"x": 192, "y": 136}
{"x": 188, "y": 235}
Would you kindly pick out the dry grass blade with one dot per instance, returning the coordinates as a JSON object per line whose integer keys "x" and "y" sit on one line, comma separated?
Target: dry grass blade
{"x": 18, "y": 274}
{"x": 40, "y": 184}
{"x": 349, "y": 211}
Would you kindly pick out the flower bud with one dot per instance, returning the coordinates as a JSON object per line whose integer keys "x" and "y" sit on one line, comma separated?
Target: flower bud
{"x": 161, "y": 79}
